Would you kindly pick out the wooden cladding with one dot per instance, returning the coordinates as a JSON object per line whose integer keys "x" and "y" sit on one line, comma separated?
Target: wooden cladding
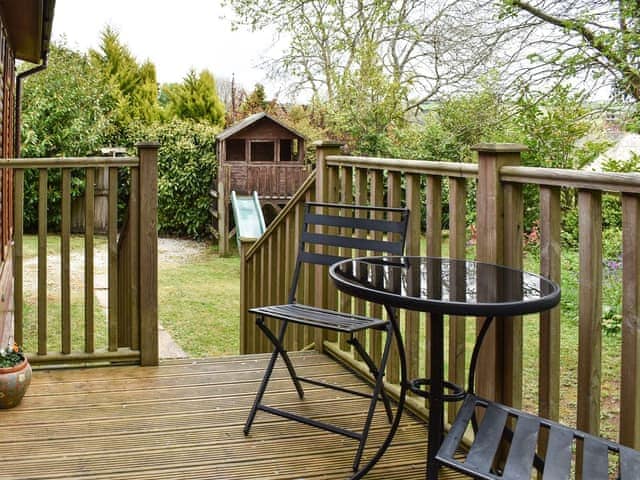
{"x": 426, "y": 188}
{"x": 128, "y": 311}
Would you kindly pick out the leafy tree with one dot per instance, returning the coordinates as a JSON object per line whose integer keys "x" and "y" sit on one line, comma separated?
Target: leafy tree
{"x": 429, "y": 47}
{"x": 135, "y": 83}
{"x": 196, "y": 98}
{"x": 594, "y": 39}
{"x": 366, "y": 104}
{"x": 66, "y": 111}
{"x": 255, "y": 102}
{"x": 65, "y": 108}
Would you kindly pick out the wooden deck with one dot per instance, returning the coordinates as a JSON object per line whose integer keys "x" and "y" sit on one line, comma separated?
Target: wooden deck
{"x": 184, "y": 420}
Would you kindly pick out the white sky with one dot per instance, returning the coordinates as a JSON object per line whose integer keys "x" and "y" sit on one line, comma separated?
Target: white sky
{"x": 175, "y": 36}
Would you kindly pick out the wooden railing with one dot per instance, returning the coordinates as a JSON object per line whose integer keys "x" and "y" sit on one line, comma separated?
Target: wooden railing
{"x": 131, "y": 321}
{"x": 499, "y": 203}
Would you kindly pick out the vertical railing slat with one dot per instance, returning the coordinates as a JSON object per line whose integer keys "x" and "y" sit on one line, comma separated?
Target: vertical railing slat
{"x": 414, "y": 234}
{"x": 550, "y": 246}
{"x": 65, "y": 260}
{"x": 630, "y": 364}
{"x": 457, "y": 249}
{"x": 346, "y": 197}
{"x": 134, "y": 259}
{"x": 42, "y": 260}
{"x": 434, "y": 242}
{"x": 394, "y": 199}
{"x": 512, "y": 257}
{"x": 333, "y": 196}
{"x": 590, "y": 315}
{"x": 89, "y": 295}
{"x": 112, "y": 248}
{"x": 375, "y": 309}
{"x": 361, "y": 185}
{"x": 18, "y": 255}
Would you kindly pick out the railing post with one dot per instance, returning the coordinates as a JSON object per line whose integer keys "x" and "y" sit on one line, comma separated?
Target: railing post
{"x": 148, "y": 253}
{"x": 323, "y": 150}
{"x": 630, "y": 370}
{"x": 497, "y": 229}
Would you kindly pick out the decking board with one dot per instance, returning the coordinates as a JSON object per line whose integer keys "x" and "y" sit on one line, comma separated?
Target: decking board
{"x": 184, "y": 419}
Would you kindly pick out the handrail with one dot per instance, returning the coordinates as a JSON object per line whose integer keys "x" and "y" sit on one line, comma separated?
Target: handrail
{"x": 70, "y": 162}
{"x": 607, "y": 181}
{"x": 423, "y": 167}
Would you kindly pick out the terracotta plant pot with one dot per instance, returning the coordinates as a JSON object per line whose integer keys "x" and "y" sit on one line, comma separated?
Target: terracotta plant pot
{"x": 13, "y": 384}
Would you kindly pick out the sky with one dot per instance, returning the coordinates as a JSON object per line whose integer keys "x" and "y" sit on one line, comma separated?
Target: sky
{"x": 175, "y": 36}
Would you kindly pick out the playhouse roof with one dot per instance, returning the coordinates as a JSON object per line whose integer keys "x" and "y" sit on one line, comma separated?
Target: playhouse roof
{"x": 250, "y": 120}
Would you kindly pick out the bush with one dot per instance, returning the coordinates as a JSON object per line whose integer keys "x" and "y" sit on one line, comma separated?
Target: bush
{"x": 186, "y": 168}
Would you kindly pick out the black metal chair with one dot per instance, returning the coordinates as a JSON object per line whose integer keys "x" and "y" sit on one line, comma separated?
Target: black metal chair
{"x": 348, "y": 228}
{"x": 506, "y": 447}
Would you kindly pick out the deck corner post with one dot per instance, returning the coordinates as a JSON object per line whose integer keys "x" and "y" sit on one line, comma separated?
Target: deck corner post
{"x": 324, "y": 148}
{"x": 495, "y": 237}
{"x": 148, "y": 253}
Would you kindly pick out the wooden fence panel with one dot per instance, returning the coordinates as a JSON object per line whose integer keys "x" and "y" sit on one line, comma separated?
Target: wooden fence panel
{"x": 62, "y": 349}
{"x": 499, "y": 203}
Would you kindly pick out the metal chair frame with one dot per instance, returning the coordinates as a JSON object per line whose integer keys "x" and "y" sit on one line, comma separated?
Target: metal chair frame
{"x": 507, "y": 447}
{"x": 346, "y": 226}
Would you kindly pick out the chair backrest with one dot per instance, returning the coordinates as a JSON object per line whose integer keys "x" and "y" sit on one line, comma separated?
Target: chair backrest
{"x": 332, "y": 232}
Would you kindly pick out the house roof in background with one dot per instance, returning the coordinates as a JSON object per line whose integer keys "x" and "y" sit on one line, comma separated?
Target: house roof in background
{"x": 250, "y": 120}
{"x": 28, "y": 24}
{"x": 623, "y": 150}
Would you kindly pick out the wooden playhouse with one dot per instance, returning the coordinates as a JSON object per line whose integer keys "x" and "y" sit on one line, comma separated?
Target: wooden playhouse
{"x": 261, "y": 154}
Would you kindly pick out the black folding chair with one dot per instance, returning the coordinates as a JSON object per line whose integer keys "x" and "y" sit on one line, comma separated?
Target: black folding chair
{"x": 507, "y": 447}
{"x": 376, "y": 230}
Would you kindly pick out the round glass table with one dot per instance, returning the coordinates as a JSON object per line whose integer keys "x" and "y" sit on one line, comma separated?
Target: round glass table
{"x": 440, "y": 286}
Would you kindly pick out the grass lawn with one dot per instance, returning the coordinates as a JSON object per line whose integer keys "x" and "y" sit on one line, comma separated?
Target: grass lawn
{"x": 199, "y": 304}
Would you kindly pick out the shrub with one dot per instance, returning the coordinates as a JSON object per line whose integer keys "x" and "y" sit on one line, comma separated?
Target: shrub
{"x": 186, "y": 168}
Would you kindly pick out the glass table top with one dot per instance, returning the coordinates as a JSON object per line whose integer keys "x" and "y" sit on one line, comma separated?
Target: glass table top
{"x": 443, "y": 285}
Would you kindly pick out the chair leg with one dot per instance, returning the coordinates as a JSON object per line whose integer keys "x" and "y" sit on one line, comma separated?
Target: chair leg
{"x": 373, "y": 369}
{"x": 378, "y": 390}
{"x": 277, "y": 342}
{"x": 278, "y": 350}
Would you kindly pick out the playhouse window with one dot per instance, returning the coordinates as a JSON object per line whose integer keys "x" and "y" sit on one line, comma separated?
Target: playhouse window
{"x": 285, "y": 151}
{"x": 235, "y": 151}
{"x": 262, "y": 151}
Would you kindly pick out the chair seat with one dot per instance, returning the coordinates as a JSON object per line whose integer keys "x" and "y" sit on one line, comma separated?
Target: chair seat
{"x": 521, "y": 431}
{"x": 319, "y": 317}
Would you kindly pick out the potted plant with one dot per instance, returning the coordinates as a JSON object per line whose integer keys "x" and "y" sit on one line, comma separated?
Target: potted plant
{"x": 15, "y": 375}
